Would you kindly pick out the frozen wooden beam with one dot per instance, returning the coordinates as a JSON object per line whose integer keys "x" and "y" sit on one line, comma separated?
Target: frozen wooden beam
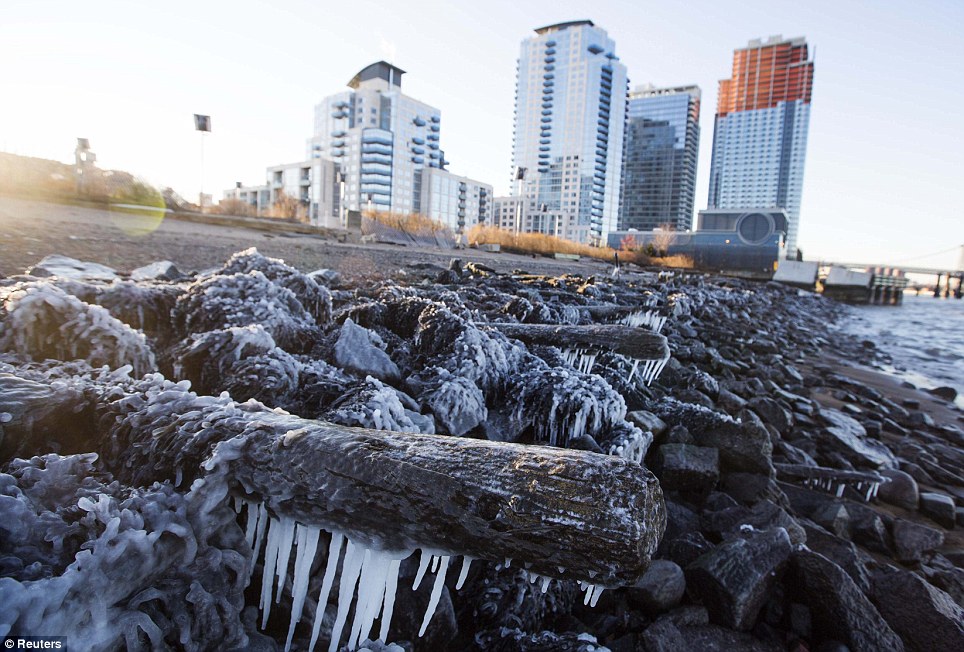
{"x": 637, "y": 343}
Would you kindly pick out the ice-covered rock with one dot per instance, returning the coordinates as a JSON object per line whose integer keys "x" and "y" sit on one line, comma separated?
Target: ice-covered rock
{"x": 66, "y": 267}
{"x": 163, "y": 270}
{"x": 362, "y": 351}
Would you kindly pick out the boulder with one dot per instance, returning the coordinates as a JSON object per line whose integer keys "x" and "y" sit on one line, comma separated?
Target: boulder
{"x": 359, "y": 350}
{"x": 163, "y": 270}
{"x": 838, "y": 609}
{"x": 846, "y": 436}
{"x": 901, "y": 490}
{"x": 647, "y": 421}
{"x": 682, "y": 467}
{"x": 912, "y": 541}
{"x": 660, "y": 588}
{"x": 66, "y": 267}
{"x": 840, "y": 551}
{"x": 939, "y": 507}
{"x": 772, "y": 413}
{"x": 925, "y": 617}
{"x": 734, "y": 580}
{"x": 944, "y": 392}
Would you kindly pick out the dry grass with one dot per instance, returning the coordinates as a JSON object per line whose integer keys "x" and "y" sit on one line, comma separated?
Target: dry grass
{"x": 407, "y": 222}
{"x": 547, "y": 245}
{"x": 534, "y": 243}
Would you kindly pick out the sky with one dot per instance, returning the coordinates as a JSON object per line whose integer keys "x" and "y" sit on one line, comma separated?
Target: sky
{"x": 885, "y": 156}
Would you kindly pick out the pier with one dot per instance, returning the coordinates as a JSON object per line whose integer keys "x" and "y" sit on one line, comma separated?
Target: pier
{"x": 886, "y": 285}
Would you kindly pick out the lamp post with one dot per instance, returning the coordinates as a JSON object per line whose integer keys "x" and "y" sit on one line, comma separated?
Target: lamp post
{"x": 202, "y": 123}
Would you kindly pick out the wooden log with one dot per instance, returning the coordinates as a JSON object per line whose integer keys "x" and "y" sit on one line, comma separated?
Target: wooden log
{"x": 630, "y": 341}
{"x": 562, "y": 513}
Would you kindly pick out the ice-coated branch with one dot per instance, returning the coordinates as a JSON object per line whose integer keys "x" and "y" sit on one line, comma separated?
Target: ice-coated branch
{"x": 630, "y": 341}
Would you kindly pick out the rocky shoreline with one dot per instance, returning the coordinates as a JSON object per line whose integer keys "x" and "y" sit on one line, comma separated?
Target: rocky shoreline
{"x": 810, "y": 503}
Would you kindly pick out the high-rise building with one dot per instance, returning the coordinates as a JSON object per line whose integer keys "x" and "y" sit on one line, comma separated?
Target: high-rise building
{"x": 568, "y": 142}
{"x": 380, "y": 138}
{"x": 659, "y": 165}
{"x": 457, "y": 202}
{"x": 760, "y": 133}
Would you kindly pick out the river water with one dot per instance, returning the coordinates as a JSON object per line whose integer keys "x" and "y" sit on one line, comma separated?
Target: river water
{"x": 924, "y": 336}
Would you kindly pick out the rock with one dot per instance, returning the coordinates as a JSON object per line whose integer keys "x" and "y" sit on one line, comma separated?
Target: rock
{"x": 660, "y": 588}
{"x": 734, "y": 580}
{"x": 925, "y": 617}
{"x": 704, "y": 383}
{"x": 868, "y": 528}
{"x": 359, "y": 350}
{"x": 772, "y": 413}
{"x": 647, "y": 421}
{"x": 911, "y": 540}
{"x": 686, "y": 548}
{"x": 712, "y": 637}
{"x": 750, "y": 488}
{"x": 901, "y": 490}
{"x": 66, "y": 267}
{"x": 328, "y": 277}
{"x": 944, "y": 392}
{"x": 515, "y": 640}
{"x": 742, "y": 447}
{"x": 838, "y": 609}
{"x": 663, "y": 636}
{"x": 730, "y": 401}
{"x": 840, "y": 551}
{"x": 682, "y": 467}
{"x": 765, "y": 514}
{"x": 846, "y": 436}
{"x": 940, "y": 508}
{"x": 163, "y": 270}
{"x": 678, "y": 435}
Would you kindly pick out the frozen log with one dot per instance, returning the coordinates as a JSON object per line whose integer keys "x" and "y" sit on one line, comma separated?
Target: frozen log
{"x": 637, "y": 343}
{"x": 564, "y": 513}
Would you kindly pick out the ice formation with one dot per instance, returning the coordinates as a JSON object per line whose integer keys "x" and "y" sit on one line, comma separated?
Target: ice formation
{"x": 650, "y": 319}
{"x": 42, "y": 321}
{"x": 369, "y": 577}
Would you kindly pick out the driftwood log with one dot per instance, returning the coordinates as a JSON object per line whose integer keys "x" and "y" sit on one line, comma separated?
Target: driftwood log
{"x": 563, "y": 513}
{"x": 637, "y": 343}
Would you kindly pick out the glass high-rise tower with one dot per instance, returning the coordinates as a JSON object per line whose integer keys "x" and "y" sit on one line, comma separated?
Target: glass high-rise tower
{"x": 568, "y": 143}
{"x": 659, "y": 165}
{"x": 760, "y": 134}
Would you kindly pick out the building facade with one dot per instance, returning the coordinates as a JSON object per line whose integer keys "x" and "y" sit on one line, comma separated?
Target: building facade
{"x": 659, "y": 164}
{"x": 760, "y": 132}
{"x": 380, "y": 138}
{"x": 568, "y": 140}
{"x": 457, "y": 202}
{"x": 313, "y": 184}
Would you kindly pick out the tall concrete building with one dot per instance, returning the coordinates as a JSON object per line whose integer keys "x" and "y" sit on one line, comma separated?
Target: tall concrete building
{"x": 659, "y": 166}
{"x": 568, "y": 142}
{"x": 760, "y": 133}
{"x": 379, "y": 137}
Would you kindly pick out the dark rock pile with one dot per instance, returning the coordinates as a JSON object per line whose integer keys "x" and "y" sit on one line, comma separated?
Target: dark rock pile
{"x": 804, "y": 509}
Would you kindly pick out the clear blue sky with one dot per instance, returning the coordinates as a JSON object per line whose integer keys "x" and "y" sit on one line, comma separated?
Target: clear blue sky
{"x": 885, "y": 162}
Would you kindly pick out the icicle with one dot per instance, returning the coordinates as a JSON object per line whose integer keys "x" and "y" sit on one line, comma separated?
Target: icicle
{"x": 334, "y": 552}
{"x": 590, "y": 589}
{"x": 632, "y": 372}
{"x": 238, "y": 504}
{"x": 436, "y": 559}
{"x": 508, "y": 562}
{"x": 368, "y": 587}
{"x": 532, "y": 577}
{"x": 840, "y": 489}
{"x": 436, "y": 594}
{"x": 876, "y": 488}
{"x": 545, "y": 583}
{"x": 350, "y": 567}
{"x": 267, "y": 574}
{"x": 422, "y": 567}
{"x": 870, "y": 490}
{"x": 860, "y": 486}
{"x": 284, "y": 554}
{"x": 596, "y": 592}
{"x": 388, "y": 606}
{"x": 262, "y": 525}
{"x": 254, "y": 514}
{"x": 307, "y": 545}
{"x": 466, "y": 564}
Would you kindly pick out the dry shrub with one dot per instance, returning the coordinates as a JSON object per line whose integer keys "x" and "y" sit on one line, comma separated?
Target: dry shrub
{"x": 286, "y": 207}
{"x": 235, "y": 207}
